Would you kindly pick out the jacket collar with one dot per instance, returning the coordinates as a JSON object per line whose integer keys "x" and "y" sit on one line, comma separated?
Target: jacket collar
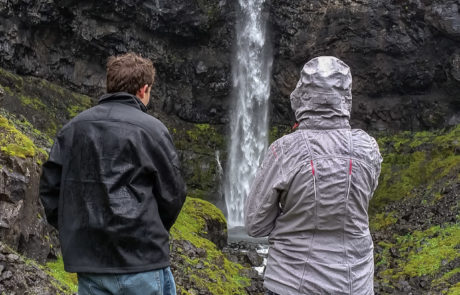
{"x": 323, "y": 124}
{"x": 124, "y": 98}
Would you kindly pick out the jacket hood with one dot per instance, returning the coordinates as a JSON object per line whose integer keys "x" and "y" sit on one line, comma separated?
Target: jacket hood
{"x": 322, "y": 98}
{"x": 125, "y": 98}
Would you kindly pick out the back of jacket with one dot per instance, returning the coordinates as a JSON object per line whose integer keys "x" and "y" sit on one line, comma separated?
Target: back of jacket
{"x": 113, "y": 188}
{"x": 311, "y": 197}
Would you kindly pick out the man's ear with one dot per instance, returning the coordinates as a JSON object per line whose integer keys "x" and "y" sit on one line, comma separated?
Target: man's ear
{"x": 141, "y": 92}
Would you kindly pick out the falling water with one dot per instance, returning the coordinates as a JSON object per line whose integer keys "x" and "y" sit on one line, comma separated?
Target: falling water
{"x": 249, "y": 121}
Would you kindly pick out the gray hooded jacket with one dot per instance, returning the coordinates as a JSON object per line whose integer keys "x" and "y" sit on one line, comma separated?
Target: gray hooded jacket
{"x": 311, "y": 193}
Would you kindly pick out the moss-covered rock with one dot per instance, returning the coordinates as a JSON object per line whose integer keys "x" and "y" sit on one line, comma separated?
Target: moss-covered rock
{"x": 198, "y": 264}
{"x": 14, "y": 143}
{"x": 40, "y": 139}
{"x": 413, "y": 160}
{"x": 430, "y": 256}
{"x": 415, "y": 213}
{"x": 202, "y": 149}
{"x": 22, "y": 223}
{"x": 20, "y": 275}
{"x": 46, "y": 105}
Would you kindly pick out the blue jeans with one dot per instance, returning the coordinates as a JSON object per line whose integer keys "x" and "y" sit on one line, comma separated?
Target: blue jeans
{"x": 157, "y": 282}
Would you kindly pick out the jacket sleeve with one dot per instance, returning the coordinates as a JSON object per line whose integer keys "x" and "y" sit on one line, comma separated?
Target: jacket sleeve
{"x": 262, "y": 204}
{"x": 169, "y": 187}
{"x": 377, "y": 164}
{"x": 50, "y": 183}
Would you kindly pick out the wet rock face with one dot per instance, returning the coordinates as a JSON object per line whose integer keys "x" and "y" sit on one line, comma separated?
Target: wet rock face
{"x": 246, "y": 254}
{"x": 69, "y": 41}
{"x": 403, "y": 56}
{"x": 22, "y": 223}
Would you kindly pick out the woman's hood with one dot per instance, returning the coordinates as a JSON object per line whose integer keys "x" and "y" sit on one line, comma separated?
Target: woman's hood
{"x": 322, "y": 98}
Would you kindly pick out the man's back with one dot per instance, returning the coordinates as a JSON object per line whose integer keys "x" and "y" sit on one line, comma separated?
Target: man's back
{"x": 119, "y": 171}
{"x": 113, "y": 189}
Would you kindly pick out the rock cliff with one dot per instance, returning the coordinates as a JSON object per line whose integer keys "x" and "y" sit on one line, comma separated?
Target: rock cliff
{"x": 404, "y": 54}
{"x": 69, "y": 42}
{"x": 405, "y": 60}
{"x": 404, "y": 57}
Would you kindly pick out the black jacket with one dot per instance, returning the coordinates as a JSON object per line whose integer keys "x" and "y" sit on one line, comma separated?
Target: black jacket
{"x": 113, "y": 188}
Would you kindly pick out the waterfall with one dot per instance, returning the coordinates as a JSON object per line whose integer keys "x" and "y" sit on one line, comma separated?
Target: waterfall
{"x": 249, "y": 118}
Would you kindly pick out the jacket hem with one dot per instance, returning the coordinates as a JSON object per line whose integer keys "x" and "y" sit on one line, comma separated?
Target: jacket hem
{"x": 281, "y": 289}
{"x": 116, "y": 270}
{"x": 286, "y": 290}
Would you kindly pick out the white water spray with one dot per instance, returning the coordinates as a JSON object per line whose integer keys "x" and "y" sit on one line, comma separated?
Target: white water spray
{"x": 249, "y": 121}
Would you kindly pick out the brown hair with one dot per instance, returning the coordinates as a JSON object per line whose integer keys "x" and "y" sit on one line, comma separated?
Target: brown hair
{"x": 128, "y": 73}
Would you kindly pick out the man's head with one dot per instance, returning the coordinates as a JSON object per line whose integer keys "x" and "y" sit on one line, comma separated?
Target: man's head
{"x": 324, "y": 90}
{"x": 132, "y": 74}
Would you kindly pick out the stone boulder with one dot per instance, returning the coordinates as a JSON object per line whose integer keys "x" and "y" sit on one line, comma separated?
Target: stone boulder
{"x": 198, "y": 264}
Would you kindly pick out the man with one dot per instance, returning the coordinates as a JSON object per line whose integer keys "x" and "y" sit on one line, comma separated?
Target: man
{"x": 312, "y": 192}
{"x": 113, "y": 189}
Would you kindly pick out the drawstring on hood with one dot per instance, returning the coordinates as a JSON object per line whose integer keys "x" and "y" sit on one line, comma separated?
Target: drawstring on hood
{"x": 322, "y": 98}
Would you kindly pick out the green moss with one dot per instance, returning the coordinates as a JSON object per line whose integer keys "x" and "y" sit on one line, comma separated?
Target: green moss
{"x": 13, "y": 142}
{"x": 437, "y": 245}
{"x": 278, "y": 131}
{"x": 384, "y": 258}
{"x": 414, "y": 160}
{"x": 443, "y": 280}
{"x": 32, "y": 102}
{"x": 56, "y": 88}
{"x": 191, "y": 220}
{"x": 218, "y": 275}
{"x": 51, "y": 129}
{"x": 382, "y": 220}
{"x": 196, "y": 192}
{"x": 56, "y": 270}
{"x": 421, "y": 253}
{"x": 46, "y": 104}
{"x": 7, "y": 90}
{"x": 75, "y": 110}
{"x": 8, "y": 78}
{"x": 455, "y": 290}
{"x": 200, "y": 138}
{"x": 22, "y": 124}
{"x": 199, "y": 143}
{"x": 80, "y": 103}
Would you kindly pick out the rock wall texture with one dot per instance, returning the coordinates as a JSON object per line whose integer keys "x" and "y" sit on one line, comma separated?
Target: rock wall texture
{"x": 69, "y": 42}
{"x": 22, "y": 218}
{"x": 19, "y": 275}
{"x": 22, "y": 222}
{"x": 404, "y": 57}
{"x": 404, "y": 54}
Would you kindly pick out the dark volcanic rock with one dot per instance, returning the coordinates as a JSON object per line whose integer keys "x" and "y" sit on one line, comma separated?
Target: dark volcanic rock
{"x": 22, "y": 223}
{"x": 18, "y": 276}
{"x": 404, "y": 55}
{"x": 69, "y": 41}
